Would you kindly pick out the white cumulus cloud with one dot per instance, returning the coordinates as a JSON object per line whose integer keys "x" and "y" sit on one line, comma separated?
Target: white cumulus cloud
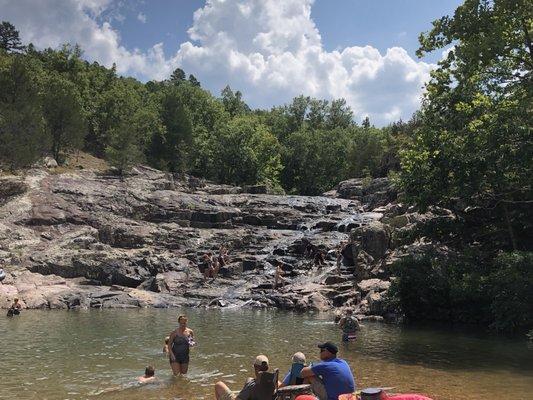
{"x": 271, "y": 50}
{"x": 141, "y": 17}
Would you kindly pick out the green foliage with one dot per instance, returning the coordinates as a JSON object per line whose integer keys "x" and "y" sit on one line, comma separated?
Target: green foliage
{"x": 233, "y": 103}
{"x": 366, "y": 152}
{"x": 22, "y": 137}
{"x": 315, "y": 160}
{"x": 244, "y": 152}
{"x": 306, "y": 146}
{"x": 422, "y": 288}
{"x": 63, "y": 114}
{"x": 9, "y": 38}
{"x": 123, "y": 150}
{"x": 511, "y": 285}
{"x": 178, "y": 130}
{"x": 124, "y": 123}
{"x": 193, "y": 81}
{"x": 473, "y": 145}
{"x": 178, "y": 76}
{"x": 469, "y": 289}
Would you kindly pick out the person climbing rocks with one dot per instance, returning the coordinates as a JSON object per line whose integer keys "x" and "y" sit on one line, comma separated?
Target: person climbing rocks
{"x": 181, "y": 340}
{"x": 319, "y": 259}
{"x": 339, "y": 258}
{"x": 208, "y": 266}
{"x": 309, "y": 250}
{"x": 2, "y": 275}
{"x": 349, "y": 325}
{"x": 216, "y": 267}
{"x": 278, "y": 277}
{"x": 222, "y": 256}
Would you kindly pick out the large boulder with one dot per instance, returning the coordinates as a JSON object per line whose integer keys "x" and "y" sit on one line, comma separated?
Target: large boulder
{"x": 372, "y": 193}
{"x": 50, "y": 162}
{"x": 373, "y": 238}
{"x": 11, "y": 186}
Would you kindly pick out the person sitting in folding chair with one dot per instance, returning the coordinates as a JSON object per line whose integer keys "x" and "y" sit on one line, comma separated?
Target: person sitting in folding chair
{"x": 263, "y": 387}
{"x": 293, "y": 376}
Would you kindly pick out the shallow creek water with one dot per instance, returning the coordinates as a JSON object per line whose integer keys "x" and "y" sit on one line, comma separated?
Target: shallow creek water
{"x": 97, "y": 354}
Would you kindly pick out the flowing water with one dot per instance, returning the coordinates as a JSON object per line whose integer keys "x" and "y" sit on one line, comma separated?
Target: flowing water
{"x": 97, "y": 354}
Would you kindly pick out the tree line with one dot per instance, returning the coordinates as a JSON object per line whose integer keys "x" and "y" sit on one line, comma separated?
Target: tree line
{"x": 53, "y": 102}
{"x": 469, "y": 148}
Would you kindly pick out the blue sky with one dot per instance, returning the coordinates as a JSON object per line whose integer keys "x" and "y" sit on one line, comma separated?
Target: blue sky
{"x": 271, "y": 50}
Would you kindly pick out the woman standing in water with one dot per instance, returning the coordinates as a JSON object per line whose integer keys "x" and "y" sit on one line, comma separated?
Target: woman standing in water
{"x": 180, "y": 340}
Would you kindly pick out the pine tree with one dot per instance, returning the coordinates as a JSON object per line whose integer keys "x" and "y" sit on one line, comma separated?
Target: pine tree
{"x": 9, "y": 38}
{"x": 22, "y": 138}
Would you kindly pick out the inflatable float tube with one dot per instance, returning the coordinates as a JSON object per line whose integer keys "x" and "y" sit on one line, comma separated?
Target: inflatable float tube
{"x": 383, "y": 396}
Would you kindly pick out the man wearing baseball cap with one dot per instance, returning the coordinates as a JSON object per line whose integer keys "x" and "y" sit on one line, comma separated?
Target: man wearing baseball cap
{"x": 222, "y": 392}
{"x": 335, "y": 373}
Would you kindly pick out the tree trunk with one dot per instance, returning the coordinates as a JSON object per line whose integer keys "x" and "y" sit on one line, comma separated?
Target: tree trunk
{"x": 509, "y": 227}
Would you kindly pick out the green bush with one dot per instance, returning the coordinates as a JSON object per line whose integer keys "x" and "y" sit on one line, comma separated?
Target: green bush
{"x": 472, "y": 289}
{"x": 512, "y": 291}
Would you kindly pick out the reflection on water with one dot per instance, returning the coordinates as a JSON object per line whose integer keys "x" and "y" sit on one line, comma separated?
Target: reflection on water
{"x": 97, "y": 355}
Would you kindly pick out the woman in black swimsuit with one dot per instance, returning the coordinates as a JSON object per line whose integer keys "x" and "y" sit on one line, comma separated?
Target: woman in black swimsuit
{"x": 180, "y": 339}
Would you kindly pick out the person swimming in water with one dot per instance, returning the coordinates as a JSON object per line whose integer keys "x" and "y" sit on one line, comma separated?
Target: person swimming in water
{"x": 15, "y": 308}
{"x": 148, "y": 377}
{"x": 180, "y": 339}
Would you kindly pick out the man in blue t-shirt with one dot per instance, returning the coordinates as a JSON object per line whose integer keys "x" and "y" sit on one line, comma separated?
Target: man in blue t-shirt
{"x": 335, "y": 373}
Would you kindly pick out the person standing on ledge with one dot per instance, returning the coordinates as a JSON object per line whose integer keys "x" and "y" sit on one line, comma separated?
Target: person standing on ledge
{"x": 335, "y": 374}
{"x": 180, "y": 339}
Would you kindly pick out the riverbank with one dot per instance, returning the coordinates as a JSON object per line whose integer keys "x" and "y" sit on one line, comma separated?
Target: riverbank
{"x": 81, "y": 353}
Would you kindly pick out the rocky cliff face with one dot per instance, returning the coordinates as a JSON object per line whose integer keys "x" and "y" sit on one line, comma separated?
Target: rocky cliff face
{"x": 85, "y": 239}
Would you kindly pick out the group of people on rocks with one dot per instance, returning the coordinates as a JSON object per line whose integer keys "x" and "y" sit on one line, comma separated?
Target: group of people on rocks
{"x": 319, "y": 257}
{"x": 213, "y": 262}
